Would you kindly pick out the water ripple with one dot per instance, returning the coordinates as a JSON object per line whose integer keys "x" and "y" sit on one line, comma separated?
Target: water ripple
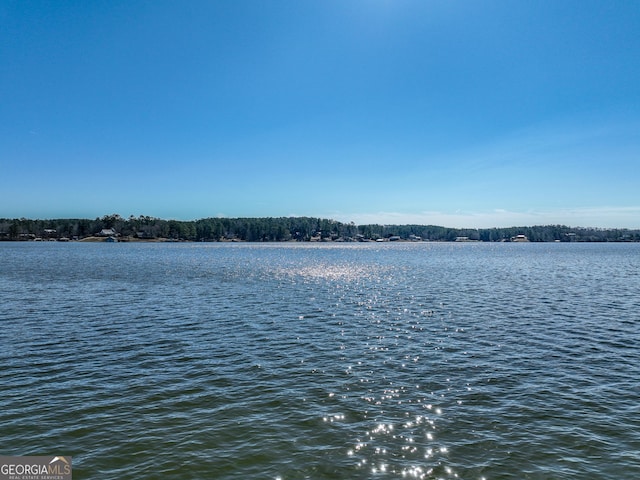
{"x": 353, "y": 361}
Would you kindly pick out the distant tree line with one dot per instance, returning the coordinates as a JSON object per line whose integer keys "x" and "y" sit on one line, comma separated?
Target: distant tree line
{"x": 282, "y": 229}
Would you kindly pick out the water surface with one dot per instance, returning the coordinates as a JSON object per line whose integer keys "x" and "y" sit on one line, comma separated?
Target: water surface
{"x": 293, "y": 361}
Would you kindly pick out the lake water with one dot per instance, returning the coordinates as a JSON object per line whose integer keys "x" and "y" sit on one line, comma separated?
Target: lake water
{"x": 323, "y": 361}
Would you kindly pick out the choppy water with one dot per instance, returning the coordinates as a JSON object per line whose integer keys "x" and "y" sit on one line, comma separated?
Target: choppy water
{"x": 295, "y": 361}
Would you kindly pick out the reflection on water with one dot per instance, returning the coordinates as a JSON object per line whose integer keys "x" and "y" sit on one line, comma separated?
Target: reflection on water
{"x": 325, "y": 361}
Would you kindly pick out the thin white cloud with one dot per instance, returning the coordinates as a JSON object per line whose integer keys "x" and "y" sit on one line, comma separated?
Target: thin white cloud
{"x": 546, "y": 146}
{"x": 604, "y": 217}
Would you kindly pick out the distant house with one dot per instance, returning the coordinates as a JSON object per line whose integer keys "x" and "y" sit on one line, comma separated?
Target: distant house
{"x": 519, "y": 238}
{"x": 107, "y": 232}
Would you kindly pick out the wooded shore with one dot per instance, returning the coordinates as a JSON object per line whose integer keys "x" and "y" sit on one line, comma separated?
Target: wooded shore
{"x": 284, "y": 229}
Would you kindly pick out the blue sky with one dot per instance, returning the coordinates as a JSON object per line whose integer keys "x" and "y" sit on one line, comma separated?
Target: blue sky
{"x": 455, "y": 113}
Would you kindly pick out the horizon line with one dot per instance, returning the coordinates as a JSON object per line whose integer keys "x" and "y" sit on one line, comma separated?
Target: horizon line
{"x": 322, "y": 217}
